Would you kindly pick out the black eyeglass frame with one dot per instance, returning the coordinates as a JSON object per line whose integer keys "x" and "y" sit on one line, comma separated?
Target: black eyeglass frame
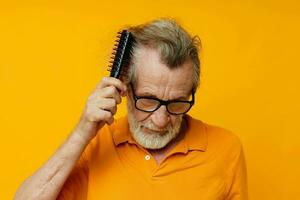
{"x": 162, "y": 102}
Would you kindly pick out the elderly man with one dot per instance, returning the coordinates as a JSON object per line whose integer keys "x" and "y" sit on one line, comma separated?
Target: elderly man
{"x": 157, "y": 151}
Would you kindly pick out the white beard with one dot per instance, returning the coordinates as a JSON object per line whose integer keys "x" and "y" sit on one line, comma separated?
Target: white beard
{"x": 158, "y": 138}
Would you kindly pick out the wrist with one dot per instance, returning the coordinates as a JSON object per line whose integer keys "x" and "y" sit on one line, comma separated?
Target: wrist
{"x": 86, "y": 129}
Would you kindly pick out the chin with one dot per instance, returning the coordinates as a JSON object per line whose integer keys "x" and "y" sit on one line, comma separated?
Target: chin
{"x": 152, "y": 141}
{"x": 150, "y": 138}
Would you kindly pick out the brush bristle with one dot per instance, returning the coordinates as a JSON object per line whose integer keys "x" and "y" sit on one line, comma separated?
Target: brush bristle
{"x": 121, "y": 54}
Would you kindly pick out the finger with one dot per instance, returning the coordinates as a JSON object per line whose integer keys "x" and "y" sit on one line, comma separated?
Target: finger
{"x": 97, "y": 115}
{"x": 105, "y": 116}
{"x": 109, "y": 92}
{"x": 106, "y": 104}
{"x": 108, "y": 81}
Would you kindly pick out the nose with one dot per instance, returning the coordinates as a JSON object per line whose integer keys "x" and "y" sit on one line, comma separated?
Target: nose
{"x": 161, "y": 117}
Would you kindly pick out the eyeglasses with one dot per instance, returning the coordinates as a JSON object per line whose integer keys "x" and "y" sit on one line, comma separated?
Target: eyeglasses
{"x": 151, "y": 104}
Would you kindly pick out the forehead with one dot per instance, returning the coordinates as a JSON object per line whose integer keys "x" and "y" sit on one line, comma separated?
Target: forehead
{"x": 155, "y": 77}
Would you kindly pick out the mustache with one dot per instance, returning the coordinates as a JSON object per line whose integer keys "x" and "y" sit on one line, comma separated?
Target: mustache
{"x": 150, "y": 125}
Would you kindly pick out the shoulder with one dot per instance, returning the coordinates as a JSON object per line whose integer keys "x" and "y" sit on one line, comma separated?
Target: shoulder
{"x": 218, "y": 138}
{"x": 222, "y": 135}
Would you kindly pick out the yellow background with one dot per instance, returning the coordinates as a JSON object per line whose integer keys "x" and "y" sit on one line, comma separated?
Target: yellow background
{"x": 53, "y": 53}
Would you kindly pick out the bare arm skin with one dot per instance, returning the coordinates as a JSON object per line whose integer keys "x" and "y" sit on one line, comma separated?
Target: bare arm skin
{"x": 46, "y": 183}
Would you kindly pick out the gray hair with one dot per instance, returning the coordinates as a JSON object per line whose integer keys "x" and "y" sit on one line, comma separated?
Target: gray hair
{"x": 174, "y": 44}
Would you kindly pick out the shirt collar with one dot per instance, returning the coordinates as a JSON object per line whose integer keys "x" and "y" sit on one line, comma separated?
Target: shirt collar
{"x": 121, "y": 132}
{"x": 195, "y": 137}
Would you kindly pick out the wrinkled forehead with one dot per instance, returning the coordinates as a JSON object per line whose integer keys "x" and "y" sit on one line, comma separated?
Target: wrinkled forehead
{"x": 153, "y": 74}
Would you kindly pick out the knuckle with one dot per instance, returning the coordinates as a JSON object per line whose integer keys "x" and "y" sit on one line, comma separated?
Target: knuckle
{"x": 112, "y": 89}
{"x": 103, "y": 81}
{"x": 113, "y": 102}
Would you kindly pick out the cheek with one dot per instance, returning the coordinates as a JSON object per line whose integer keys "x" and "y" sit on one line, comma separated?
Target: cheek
{"x": 140, "y": 116}
{"x": 174, "y": 120}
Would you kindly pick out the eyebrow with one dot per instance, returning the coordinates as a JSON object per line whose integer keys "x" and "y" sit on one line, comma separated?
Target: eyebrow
{"x": 147, "y": 94}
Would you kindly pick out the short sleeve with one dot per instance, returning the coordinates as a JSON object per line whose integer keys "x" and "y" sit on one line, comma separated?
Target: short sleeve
{"x": 238, "y": 189}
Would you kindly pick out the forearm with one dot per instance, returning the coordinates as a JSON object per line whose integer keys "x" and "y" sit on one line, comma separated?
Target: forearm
{"x": 100, "y": 108}
{"x": 47, "y": 182}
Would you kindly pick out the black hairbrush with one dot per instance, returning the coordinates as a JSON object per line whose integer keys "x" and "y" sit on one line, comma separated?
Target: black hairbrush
{"x": 121, "y": 55}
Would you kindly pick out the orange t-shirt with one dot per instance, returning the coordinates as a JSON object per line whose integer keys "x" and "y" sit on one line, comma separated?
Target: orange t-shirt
{"x": 208, "y": 163}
